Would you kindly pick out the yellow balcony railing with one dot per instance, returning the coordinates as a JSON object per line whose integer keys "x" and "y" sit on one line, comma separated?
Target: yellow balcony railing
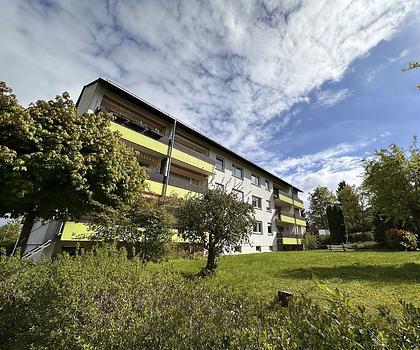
{"x": 197, "y": 161}
{"x": 291, "y": 240}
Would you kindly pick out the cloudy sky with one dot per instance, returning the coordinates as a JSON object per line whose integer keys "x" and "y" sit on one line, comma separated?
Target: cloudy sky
{"x": 306, "y": 89}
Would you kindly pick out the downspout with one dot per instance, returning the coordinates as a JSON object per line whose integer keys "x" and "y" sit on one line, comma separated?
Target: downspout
{"x": 294, "y": 216}
{"x": 168, "y": 161}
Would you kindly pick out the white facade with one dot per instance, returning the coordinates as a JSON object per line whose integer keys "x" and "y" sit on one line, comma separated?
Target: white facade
{"x": 259, "y": 242}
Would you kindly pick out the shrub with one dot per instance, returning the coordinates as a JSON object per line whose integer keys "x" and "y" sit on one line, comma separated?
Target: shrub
{"x": 9, "y": 233}
{"x": 310, "y": 241}
{"x": 324, "y": 241}
{"x": 366, "y": 245}
{"x": 398, "y": 239}
{"x": 102, "y": 300}
{"x": 361, "y": 237}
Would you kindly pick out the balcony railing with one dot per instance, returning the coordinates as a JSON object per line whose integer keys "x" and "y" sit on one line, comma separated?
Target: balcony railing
{"x": 155, "y": 134}
{"x": 289, "y": 235}
{"x": 179, "y": 183}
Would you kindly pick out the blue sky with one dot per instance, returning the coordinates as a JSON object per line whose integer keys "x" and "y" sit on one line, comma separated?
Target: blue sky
{"x": 307, "y": 89}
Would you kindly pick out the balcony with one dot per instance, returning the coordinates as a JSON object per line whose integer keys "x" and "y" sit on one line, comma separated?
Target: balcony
{"x": 289, "y": 218}
{"x": 283, "y": 198}
{"x": 175, "y": 186}
{"x": 180, "y": 154}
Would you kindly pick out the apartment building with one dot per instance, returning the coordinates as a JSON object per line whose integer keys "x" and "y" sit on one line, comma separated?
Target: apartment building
{"x": 182, "y": 161}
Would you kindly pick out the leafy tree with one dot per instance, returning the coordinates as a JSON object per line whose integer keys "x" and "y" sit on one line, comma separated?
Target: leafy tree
{"x": 217, "y": 220}
{"x": 413, "y": 65}
{"x": 342, "y": 184}
{"x": 9, "y": 233}
{"x": 392, "y": 179}
{"x": 319, "y": 199}
{"x": 55, "y": 163}
{"x": 350, "y": 205}
{"x": 336, "y": 223}
{"x": 142, "y": 224}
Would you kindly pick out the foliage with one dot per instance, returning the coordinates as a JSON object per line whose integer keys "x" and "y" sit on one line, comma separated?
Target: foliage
{"x": 361, "y": 237}
{"x": 9, "y": 233}
{"x": 413, "y": 65}
{"x": 216, "y": 219}
{"x": 399, "y": 239}
{"x": 310, "y": 241}
{"x": 102, "y": 300}
{"x": 366, "y": 245}
{"x": 336, "y": 223}
{"x": 55, "y": 163}
{"x": 142, "y": 224}
{"x": 319, "y": 199}
{"x": 392, "y": 178}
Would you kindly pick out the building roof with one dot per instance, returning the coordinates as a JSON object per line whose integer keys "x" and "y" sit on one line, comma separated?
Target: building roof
{"x": 119, "y": 90}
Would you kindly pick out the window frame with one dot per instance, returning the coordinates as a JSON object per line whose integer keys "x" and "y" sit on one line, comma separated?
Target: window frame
{"x": 268, "y": 208}
{"x": 217, "y": 186}
{"x": 234, "y": 190}
{"x": 234, "y": 166}
{"x": 254, "y": 176}
{"x": 267, "y": 182}
{"x": 223, "y": 163}
{"x": 258, "y": 223}
{"x": 260, "y": 202}
{"x": 269, "y": 228}
{"x": 258, "y": 248}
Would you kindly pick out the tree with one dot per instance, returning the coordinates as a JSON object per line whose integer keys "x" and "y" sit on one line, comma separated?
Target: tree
{"x": 55, "y": 163}
{"x": 349, "y": 200}
{"x": 342, "y": 184}
{"x": 336, "y": 223}
{"x": 319, "y": 199}
{"x": 392, "y": 179}
{"x": 9, "y": 233}
{"x": 413, "y": 65}
{"x": 217, "y": 220}
{"x": 142, "y": 224}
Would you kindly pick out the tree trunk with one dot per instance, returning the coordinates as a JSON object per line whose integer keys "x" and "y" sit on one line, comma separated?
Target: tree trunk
{"x": 211, "y": 260}
{"x": 26, "y": 231}
{"x": 417, "y": 220}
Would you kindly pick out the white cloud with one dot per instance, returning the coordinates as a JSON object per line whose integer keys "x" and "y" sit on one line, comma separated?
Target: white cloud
{"x": 231, "y": 69}
{"x": 328, "y": 98}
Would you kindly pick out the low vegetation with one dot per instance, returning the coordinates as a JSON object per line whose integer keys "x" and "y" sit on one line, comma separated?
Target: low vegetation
{"x": 102, "y": 300}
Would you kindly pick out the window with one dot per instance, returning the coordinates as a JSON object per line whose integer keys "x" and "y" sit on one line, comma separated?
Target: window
{"x": 258, "y": 227}
{"x": 219, "y": 186}
{"x": 271, "y": 248}
{"x": 238, "y": 194}
{"x": 269, "y": 231}
{"x": 237, "y": 171}
{"x": 267, "y": 185}
{"x": 238, "y": 249}
{"x": 268, "y": 205}
{"x": 258, "y": 248}
{"x": 256, "y": 202}
{"x": 255, "y": 180}
{"x": 220, "y": 164}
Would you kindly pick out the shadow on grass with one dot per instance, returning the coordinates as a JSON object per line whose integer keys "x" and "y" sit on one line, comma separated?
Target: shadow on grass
{"x": 409, "y": 273}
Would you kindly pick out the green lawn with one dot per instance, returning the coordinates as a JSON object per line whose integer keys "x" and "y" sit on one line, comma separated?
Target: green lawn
{"x": 371, "y": 278}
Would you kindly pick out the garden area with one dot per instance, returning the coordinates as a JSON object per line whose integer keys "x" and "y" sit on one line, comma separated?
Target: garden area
{"x": 103, "y": 300}
{"x": 371, "y": 278}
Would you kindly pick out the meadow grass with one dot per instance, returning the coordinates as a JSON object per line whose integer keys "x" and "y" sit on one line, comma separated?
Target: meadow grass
{"x": 371, "y": 278}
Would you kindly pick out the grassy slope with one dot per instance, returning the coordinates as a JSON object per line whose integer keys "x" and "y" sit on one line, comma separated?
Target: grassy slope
{"x": 371, "y": 278}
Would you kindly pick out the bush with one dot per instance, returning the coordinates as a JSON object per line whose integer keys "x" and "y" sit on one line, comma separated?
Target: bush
{"x": 398, "y": 239}
{"x": 324, "y": 241}
{"x": 366, "y": 245}
{"x": 361, "y": 237}
{"x": 310, "y": 241}
{"x": 9, "y": 234}
{"x": 102, "y": 300}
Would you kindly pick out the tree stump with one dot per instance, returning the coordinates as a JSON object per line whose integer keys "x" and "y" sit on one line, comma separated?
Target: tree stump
{"x": 284, "y": 297}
